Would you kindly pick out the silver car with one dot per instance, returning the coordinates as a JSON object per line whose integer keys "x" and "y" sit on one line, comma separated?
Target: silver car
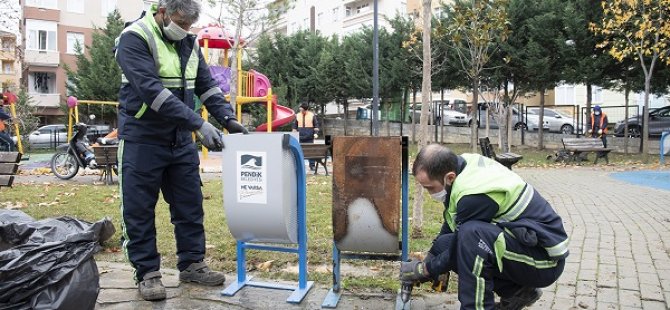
{"x": 555, "y": 120}
{"x": 48, "y": 136}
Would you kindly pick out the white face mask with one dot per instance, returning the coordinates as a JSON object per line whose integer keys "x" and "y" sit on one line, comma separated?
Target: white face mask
{"x": 173, "y": 32}
{"x": 440, "y": 196}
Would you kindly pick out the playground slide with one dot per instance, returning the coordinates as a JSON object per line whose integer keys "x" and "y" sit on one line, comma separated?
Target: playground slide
{"x": 281, "y": 115}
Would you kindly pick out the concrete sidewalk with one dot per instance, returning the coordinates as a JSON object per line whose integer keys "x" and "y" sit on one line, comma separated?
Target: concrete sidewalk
{"x": 619, "y": 256}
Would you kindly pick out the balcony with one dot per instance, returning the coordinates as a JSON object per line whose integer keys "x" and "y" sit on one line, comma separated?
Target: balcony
{"x": 42, "y": 58}
{"x": 358, "y": 18}
{"x": 46, "y": 100}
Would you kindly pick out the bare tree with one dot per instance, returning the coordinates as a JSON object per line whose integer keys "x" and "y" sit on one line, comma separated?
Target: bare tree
{"x": 426, "y": 92}
{"x": 249, "y": 18}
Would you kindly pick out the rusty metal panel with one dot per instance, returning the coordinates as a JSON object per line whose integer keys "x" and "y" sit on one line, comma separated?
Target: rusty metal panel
{"x": 366, "y": 193}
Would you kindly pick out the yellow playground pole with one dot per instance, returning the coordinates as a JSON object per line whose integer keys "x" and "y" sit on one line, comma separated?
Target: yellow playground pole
{"x": 12, "y": 109}
{"x": 204, "y": 113}
{"x": 69, "y": 123}
{"x": 239, "y": 83}
{"x": 269, "y": 109}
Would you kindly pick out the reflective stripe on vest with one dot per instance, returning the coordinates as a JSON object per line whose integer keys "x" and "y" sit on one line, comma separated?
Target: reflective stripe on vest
{"x": 305, "y": 120}
{"x": 167, "y": 61}
{"x": 484, "y": 176}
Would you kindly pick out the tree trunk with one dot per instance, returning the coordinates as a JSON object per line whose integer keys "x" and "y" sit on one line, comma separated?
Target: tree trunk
{"x": 442, "y": 115}
{"x": 645, "y": 119}
{"x": 346, "y": 115}
{"x": 625, "y": 120}
{"x": 589, "y": 101}
{"x": 474, "y": 127}
{"x": 426, "y": 88}
{"x": 508, "y": 133}
{"x": 413, "y": 115}
{"x": 540, "y": 136}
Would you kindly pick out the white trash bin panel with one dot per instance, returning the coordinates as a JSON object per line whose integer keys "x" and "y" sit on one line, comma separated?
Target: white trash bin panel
{"x": 259, "y": 188}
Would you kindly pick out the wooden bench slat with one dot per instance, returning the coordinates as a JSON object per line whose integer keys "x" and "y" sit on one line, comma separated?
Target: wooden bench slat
{"x": 105, "y": 155}
{"x": 6, "y": 180}
{"x": 10, "y": 157}
{"x": 578, "y": 146}
{"x": 317, "y": 152}
{"x": 6, "y": 168}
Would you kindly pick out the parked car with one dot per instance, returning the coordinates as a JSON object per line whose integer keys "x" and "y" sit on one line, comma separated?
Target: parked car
{"x": 50, "y": 136}
{"x": 556, "y": 121}
{"x": 528, "y": 123}
{"x": 415, "y": 113}
{"x": 659, "y": 121}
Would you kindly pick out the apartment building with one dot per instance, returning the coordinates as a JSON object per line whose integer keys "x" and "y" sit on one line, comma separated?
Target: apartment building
{"x": 9, "y": 75}
{"x": 336, "y": 17}
{"x": 52, "y": 28}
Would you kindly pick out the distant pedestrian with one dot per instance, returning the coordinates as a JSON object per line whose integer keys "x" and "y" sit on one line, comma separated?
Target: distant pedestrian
{"x": 307, "y": 125}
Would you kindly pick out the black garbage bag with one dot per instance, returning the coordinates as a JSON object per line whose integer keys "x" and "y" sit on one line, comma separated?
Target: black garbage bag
{"x": 48, "y": 264}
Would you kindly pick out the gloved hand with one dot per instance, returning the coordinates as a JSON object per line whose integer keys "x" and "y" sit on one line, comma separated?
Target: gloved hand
{"x": 413, "y": 271}
{"x": 235, "y": 127}
{"x": 209, "y": 136}
{"x": 316, "y": 136}
{"x": 600, "y": 131}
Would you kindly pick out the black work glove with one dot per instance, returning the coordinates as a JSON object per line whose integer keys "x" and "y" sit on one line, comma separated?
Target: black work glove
{"x": 209, "y": 136}
{"x": 413, "y": 271}
{"x": 235, "y": 127}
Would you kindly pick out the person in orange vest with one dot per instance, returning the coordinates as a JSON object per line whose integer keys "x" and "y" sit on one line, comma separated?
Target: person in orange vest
{"x": 599, "y": 124}
{"x": 599, "y": 127}
{"x": 6, "y": 142}
{"x": 307, "y": 126}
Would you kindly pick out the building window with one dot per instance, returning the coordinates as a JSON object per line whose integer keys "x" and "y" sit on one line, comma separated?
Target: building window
{"x": 6, "y": 45}
{"x": 41, "y": 35}
{"x": 363, "y": 8}
{"x": 347, "y": 11}
{"x": 336, "y": 14}
{"x": 108, "y": 6}
{"x": 74, "y": 38}
{"x": 596, "y": 94}
{"x": 565, "y": 94}
{"x": 42, "y": 82}
{"x": 75, "y": 6}
{"x": 47, "y": 4}
{"x": 42, "y": 40}
{"x": 7, "y": 67}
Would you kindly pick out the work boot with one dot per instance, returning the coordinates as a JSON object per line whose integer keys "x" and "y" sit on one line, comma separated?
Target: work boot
{"x": 522, "y": 298}
{"x": 200, "y": 273}
{"x": 151, "y": 287}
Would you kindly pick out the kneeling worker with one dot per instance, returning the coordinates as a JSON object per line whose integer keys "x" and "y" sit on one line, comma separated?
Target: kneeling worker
{"x": 500, "y": 235}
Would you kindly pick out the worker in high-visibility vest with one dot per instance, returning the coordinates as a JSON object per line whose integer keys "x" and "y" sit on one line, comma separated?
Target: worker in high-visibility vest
{"x": 307, "y": 126}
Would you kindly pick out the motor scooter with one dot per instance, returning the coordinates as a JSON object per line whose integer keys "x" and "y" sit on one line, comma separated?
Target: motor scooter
{"x": 73, "y": 155}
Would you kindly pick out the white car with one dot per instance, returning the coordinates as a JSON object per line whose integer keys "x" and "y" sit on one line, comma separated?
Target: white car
{"x": 48, "y": 136}
{"x": 453, "y": 117}
{"x": 555, "y": 120}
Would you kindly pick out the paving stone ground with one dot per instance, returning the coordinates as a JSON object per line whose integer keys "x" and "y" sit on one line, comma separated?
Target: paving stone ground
{"x": 620, "y": 256}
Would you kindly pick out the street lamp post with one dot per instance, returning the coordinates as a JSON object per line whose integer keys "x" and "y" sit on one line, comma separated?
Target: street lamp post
{"x": 375, "y": 72}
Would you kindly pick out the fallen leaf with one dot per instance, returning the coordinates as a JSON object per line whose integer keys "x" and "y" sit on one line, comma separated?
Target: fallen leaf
{"x": 265, "y": 266}
{"x": 209, "y": 246}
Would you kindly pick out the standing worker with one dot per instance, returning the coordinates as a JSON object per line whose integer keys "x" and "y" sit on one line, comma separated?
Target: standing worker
{"x": 307, "y": 125}
{"x": 500, "y": 235}
{"x": 163, "y": 68}
{"x": 6, "y": 142}
{"x": 598, "y": 127}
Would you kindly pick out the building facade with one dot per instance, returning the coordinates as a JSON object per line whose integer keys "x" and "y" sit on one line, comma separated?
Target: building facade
{"x": 52, "y": 29}
{"x": 340, "y": 17}
{"x": 9, "y": 73}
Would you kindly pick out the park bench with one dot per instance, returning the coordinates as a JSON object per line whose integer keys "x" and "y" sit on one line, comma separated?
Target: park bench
{"x": 105, "y": 157}
{"x": 9, "y": 165}
{"x": 316, "y": 152}
{"x": 579, "y": 147}
{"x": 506, "y": 159}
